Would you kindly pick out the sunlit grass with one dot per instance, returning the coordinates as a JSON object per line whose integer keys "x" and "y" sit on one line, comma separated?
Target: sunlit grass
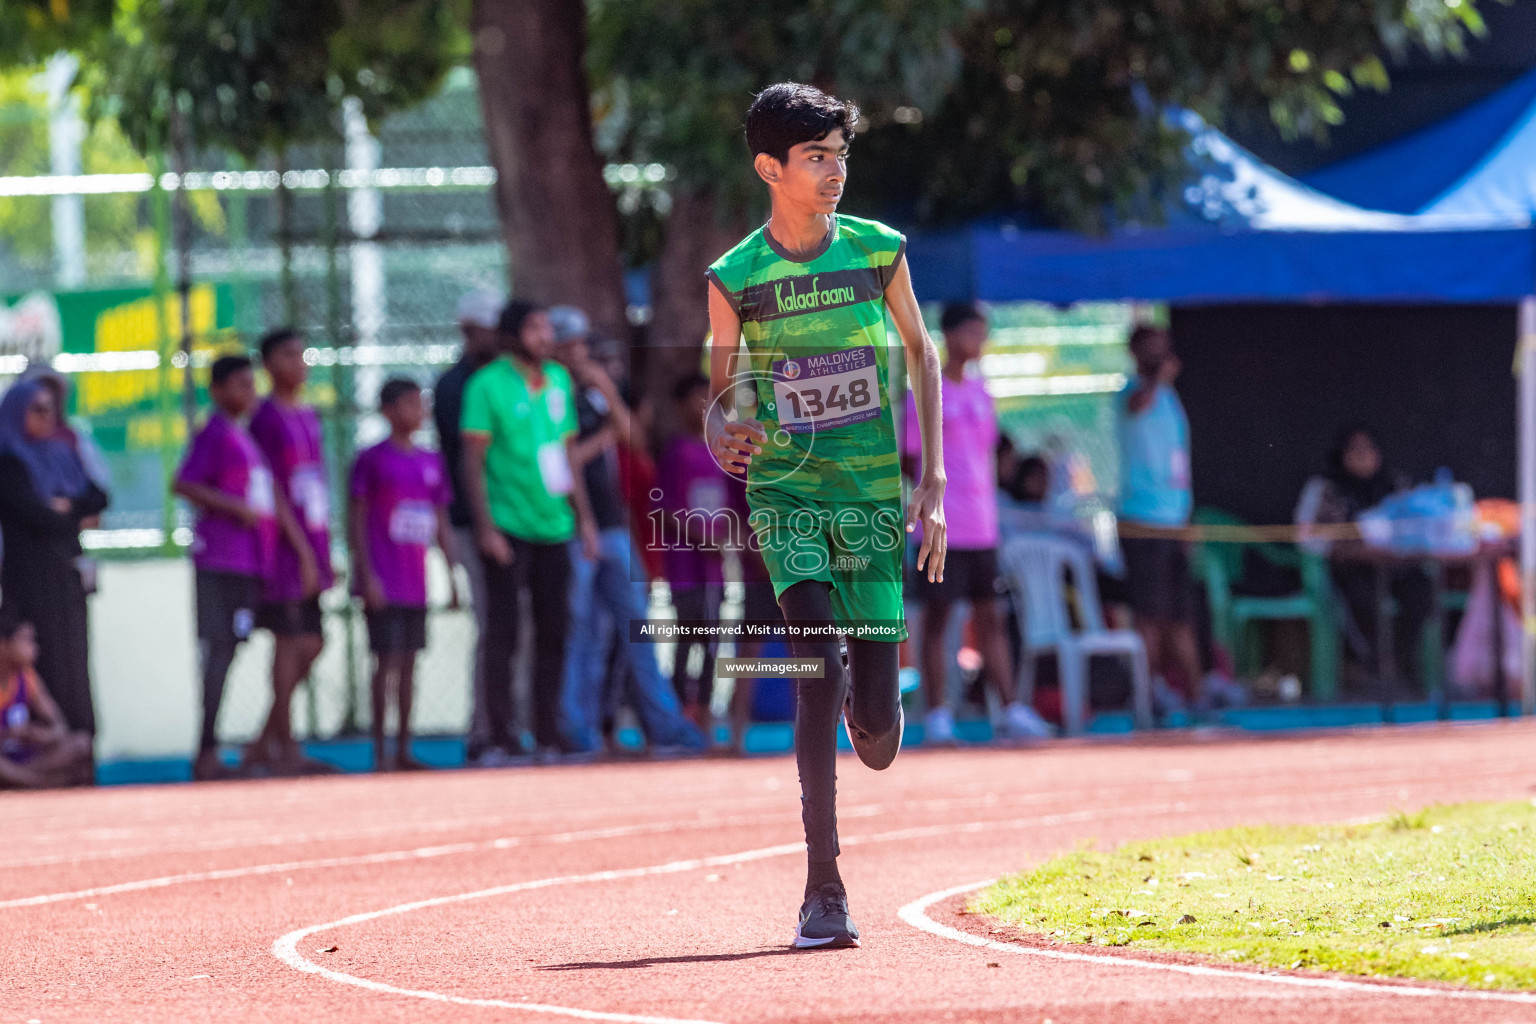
{"x": 1447, "y": 894}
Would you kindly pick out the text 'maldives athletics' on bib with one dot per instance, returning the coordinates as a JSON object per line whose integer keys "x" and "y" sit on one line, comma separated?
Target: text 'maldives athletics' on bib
{"x": 815, "y": 330}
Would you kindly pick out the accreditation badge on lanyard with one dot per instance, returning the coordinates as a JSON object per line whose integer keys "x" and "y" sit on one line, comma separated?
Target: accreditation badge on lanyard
{"x": 413, "y": 522}
{"x": 555, "y": 468}
{"x": 310, "y": 495}
{"x": 258, "y": 490}
{"x": 307, "y": 487}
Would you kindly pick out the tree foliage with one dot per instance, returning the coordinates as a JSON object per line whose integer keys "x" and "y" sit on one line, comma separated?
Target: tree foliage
{"x": 1059, "y": 106}
{"x": 31, "y": 31}
{"x": 257, "y": 75}
{"x": 1052, "y": 106}
{"x": 112, "y": 223}
{"x": 674, "y": 77}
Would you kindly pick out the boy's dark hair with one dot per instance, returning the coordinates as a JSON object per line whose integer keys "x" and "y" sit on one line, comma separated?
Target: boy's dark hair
{"x": 11, "y": 622}
{"x": 787, "y": 114}
{"x": 273, "y": 338}
{"x": 957, "y": 313}
{"x": 688, "y": 385}
{"x": 1142, "y": 333}
{"x": 512, "y": 317}
{"x": 395, "y": 389}
{"x": 226, "y": 367}
{"x": 1018, "y": 487}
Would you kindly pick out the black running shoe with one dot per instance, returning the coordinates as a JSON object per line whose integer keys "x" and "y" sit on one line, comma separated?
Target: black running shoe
{"x": 824, "y": 920}
{"x": 876, "y": 752}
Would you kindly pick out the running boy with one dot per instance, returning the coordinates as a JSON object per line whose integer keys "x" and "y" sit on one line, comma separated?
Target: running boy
{"x": 226, "y": 480}
{"x": 37, "y": 749}
{"x": 809, "y": 293}
{"x": 399, "y": 507}
{"x": 289, "y": 435}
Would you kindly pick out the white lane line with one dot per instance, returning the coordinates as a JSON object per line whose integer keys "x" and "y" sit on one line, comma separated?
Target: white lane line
{"x": 384, "y": 857}
{"x": 286, "y": 948}
{"x": 612, "y": 832}
{"x": 916, "y": 915}
{"x": 1104, "y": 792}
{"x": 140, "y": 885}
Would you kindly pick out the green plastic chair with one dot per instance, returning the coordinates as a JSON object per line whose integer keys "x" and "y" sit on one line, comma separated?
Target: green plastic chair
{"x": 1219, "y": 565}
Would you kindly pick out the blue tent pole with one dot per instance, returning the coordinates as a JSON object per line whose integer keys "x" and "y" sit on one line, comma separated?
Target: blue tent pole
{"x": 1527, "y": 385}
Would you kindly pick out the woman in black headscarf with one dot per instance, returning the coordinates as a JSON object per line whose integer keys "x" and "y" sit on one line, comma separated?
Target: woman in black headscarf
{"x": 1357, "y": 479}
{"x": 44, "y": 494}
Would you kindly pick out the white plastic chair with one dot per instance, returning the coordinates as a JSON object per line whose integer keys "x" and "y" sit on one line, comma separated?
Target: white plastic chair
{"x": 1033, "y": 565}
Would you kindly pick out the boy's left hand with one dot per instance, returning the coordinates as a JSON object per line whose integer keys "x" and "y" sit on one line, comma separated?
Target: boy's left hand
{"x": 927, "y": 505}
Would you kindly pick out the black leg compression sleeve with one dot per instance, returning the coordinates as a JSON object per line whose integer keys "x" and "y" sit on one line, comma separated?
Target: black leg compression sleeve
{"x": 819, "y": 702}
{"x": 876, "y": 685}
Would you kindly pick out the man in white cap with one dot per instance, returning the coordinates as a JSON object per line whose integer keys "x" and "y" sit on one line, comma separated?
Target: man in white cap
{"x": 479, "y": 313}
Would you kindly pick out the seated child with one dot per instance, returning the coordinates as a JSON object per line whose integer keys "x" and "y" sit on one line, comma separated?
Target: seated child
{"x": 399, "y": 507}
{"x": 37, "y": 750}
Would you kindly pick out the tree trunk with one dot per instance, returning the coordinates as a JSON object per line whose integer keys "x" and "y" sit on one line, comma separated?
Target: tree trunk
{"x": 557, "y": 213}
{"x": 694, "y": 237}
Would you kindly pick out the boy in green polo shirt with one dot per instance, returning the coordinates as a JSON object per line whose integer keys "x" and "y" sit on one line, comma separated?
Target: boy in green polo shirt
{"x": 808, "y": 293}
{"x": 518, "y": 422}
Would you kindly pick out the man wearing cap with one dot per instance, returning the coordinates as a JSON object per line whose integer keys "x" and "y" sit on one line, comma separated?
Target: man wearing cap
{"x": 606, "y": 587}
{"x": 479, "y": 313}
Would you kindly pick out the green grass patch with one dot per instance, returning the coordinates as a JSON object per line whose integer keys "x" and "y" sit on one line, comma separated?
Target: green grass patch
{"x": 1444, "y": 894}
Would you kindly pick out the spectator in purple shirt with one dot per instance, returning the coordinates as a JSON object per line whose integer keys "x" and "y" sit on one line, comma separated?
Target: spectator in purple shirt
{"x": 695, "y": 504}
{"x": 289, "y": 435}
{"x": 400, "y": 500}
{"x": 226, "y": 480}
{"x": 970, "y": 507}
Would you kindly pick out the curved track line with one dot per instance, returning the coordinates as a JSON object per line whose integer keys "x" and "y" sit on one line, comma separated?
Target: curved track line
{"x": 915, "y": 914}
{"x": 286, "y": 948}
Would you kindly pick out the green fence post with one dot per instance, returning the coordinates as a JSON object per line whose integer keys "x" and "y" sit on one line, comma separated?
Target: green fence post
{"x": 342, "y": 423}
{"x": 160, "y": 209}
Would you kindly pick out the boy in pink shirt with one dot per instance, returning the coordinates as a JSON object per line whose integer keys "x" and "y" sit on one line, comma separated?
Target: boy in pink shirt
{"x": 226, "y": 480}
{"x": 289, "y": 435}
{"x": 399, "y": 508}
{"x": 970, "y": 508}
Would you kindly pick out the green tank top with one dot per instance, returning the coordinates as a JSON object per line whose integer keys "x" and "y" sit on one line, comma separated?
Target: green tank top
{"x": 815, "y": 331}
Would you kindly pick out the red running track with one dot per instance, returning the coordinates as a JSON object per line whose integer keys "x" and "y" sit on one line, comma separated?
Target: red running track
{"x": 668, "y": 891}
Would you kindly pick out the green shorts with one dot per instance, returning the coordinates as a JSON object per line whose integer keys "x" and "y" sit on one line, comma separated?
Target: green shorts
{"x": 855, "y": 546}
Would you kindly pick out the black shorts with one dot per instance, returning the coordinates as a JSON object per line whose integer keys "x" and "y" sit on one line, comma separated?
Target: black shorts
{"x": 292, "y": 618}
{"x": 226, "y": 605}
{"x": 970, "y": 574}
{"x": 1157, "y": 583}
{"x": 396, "y": 629}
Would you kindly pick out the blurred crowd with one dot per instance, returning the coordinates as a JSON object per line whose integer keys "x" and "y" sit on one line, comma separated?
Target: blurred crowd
{"x": 545, "y": 494}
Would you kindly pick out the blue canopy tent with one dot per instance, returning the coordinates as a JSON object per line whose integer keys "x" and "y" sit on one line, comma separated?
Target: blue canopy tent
{"x": 1461, "y": 232}
{"x": 1408, "y": 174}
{"x": 1244, "y": 232}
